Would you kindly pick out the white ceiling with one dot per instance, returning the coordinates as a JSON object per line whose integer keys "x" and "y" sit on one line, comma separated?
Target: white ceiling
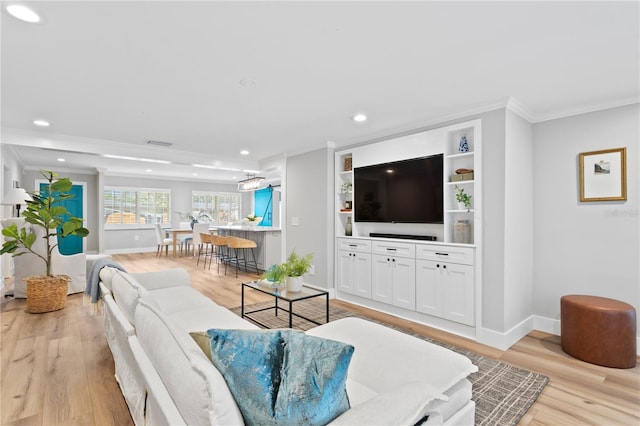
{"x": 111, "y": 75}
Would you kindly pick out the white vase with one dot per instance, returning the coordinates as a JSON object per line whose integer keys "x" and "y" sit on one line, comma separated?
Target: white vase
{"x": 294, "y": 284}
{"x": 462, "y": 232}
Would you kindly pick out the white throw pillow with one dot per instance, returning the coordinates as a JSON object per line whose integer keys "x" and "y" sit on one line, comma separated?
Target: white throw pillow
{"x": 106, "y": 276}
{"x": 126, "y": 292}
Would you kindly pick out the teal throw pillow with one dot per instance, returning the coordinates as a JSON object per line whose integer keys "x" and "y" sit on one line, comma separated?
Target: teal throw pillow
{"x": 283, "y": 376}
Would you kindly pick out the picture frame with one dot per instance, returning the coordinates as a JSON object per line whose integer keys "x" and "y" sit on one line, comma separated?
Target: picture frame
{"x": 603, "y": 175}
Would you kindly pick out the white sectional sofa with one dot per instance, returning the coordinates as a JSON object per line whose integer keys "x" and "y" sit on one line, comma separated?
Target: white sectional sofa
{"x": 166, "y": 379}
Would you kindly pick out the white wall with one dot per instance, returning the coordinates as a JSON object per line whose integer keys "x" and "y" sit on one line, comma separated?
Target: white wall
{"x": 585, "y": 248}
{"x": 518, "y": 223}
{"x": 307, "y": 198}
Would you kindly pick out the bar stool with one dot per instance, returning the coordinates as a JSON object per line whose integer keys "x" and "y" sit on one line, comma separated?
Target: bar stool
{"x": 236, "y": 244}
{"x": 221, "y": 250}
{"x": 207, "y": 244}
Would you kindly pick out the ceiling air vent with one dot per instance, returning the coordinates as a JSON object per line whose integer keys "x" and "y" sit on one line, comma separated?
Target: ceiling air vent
{"x": 159, "y": 143}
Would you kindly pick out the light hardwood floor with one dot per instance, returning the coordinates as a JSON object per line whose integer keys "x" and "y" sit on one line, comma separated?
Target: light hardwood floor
{"x": 56, "y": 368}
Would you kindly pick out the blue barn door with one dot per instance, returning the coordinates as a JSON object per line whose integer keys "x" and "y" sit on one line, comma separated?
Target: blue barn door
{"x": 71, "y": 244}
{"x": 263, "y": 202}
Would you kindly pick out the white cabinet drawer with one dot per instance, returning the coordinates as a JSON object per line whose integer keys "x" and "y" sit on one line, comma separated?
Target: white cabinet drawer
{"x": 354, "y": 244}
{"x": 453, "y": 254}
{"x": 394, "y": 249}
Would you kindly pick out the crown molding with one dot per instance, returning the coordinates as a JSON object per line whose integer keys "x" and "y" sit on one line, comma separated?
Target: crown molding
{"x": 587, "y": 109}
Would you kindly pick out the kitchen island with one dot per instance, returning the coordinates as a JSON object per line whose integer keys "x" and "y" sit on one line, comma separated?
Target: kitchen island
{"x": 267, "y": 238}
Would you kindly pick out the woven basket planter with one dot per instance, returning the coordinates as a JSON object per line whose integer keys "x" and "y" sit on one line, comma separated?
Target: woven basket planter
{"x": 46, "y": 294}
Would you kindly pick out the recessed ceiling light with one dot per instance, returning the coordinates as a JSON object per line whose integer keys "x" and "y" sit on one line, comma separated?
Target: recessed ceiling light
{"x": 41, "y": 123}
{"x": 194, "y": 174}
{"x": 23, "y": 13}
{"x": 359, "y": 118}
{"x": 62, "y": 160}
{"x": 148, "y": 170}
{"x": 244, "y": 152}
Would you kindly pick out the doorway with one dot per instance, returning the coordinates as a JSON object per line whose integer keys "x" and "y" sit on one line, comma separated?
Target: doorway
{"x": 76, "y": 207}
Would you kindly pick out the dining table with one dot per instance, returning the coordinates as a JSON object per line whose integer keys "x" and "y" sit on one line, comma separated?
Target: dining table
{"x": 175, "y": 232}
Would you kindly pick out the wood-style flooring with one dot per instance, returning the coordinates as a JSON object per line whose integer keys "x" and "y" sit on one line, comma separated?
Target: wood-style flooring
{"x": 56, "y": 368}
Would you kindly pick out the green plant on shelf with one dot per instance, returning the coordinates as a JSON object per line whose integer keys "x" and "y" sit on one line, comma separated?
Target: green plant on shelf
{"x": 462, "y": 197}
{"x": 347, "y": 187}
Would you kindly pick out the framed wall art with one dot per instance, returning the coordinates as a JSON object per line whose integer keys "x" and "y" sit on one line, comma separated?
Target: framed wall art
{"x": 603, "y": 175}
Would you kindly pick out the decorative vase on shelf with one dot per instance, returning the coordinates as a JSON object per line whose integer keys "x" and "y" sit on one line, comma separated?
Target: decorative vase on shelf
{"x": 348, "y": 228}
{"x": 462, "y": 232}
{"x": 463, "y": 146}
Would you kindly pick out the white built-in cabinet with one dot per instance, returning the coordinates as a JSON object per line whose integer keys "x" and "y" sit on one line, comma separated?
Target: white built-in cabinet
{"x": 437, "y": 279}
{"x": 393, "y": 274}
{"x": 445, "y": 282}
{"x": 354, "y": 267}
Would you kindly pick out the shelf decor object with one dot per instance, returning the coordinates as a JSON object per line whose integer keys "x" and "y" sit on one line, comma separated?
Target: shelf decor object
{"x": 463, "y": 146}
{"x": 348, "y": 164}
{"x": 348, "y": 228}
{"x": 462, "y": 232}
{"x": 603, "y": 175}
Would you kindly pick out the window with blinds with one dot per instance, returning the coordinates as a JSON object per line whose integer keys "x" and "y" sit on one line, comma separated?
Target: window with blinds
{"x": 124, "y": 206}
{"x": 220, "y": 207}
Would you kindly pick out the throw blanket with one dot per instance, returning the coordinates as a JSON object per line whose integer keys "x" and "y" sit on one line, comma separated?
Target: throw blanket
{"x": 93, "y": 289}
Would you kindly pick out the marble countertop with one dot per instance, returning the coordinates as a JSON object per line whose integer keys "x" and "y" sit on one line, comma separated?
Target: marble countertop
{"x": 247, "y": 228}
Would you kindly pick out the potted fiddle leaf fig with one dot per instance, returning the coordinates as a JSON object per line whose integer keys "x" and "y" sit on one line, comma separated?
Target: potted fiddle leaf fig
{"x": 295, "y": 267}
{"x": 48, "y": 292}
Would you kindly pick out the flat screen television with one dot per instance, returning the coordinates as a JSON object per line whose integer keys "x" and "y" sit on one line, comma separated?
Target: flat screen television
{"x": 408, "y": 191}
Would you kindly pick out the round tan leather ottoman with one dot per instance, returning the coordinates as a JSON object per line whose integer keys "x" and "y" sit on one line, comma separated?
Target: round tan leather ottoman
{"x": 598, "y": 330}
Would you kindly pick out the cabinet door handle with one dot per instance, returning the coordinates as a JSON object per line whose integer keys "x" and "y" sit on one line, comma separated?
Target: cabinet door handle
{"x": 391, "y": 249}
{"x": 444, "y": 266}
{"x": 442, "y": 254}
{"x": 437, "y": 265}
{"x": 393, "y": 260}
{"x": 353, "y": 245}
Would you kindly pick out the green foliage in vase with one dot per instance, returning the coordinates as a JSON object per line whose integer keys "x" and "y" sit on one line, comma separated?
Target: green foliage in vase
{"x": 275, "y": 274}
{"x": 297, "y": 266}
{"x": 463, "y": 197}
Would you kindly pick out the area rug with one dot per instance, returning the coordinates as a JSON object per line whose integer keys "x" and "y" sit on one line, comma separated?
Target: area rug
{"x": 502, "y": 393}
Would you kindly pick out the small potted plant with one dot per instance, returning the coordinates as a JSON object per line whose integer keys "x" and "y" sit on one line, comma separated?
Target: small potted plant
{"x": 275, "y": 275}
{"x": 45, "y": 293}
{"x": 463, "y": 199}
{"x": 295, "y": 267}
{"x": 252, "y": 220}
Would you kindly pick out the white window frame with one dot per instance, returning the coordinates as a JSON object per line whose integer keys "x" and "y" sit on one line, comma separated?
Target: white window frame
{"x": 137, "y": 190}
{"x": 219, "y": 194}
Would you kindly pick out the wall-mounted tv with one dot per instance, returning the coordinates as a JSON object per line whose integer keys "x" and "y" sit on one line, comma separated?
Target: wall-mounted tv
{"x": 408, "y": 191}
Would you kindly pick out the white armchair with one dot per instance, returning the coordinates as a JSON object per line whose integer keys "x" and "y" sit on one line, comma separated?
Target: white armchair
{"x": 27, "y": 265}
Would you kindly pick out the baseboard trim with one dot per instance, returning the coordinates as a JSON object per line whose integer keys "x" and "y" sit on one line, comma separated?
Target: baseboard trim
{"x": 504, "y": 341}
{"x": 132, "y": 250}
